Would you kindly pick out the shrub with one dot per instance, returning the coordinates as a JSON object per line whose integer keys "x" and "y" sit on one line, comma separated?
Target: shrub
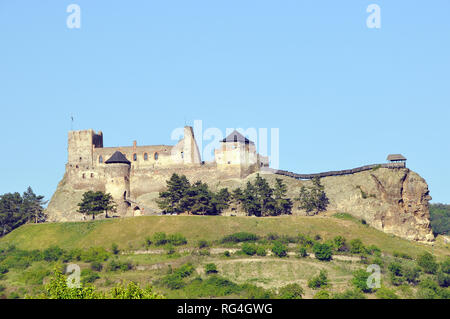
{"x": 116, "y": 264}
{"x": 95, "y": 254}
{"x": 115, "y": 249}
{"x": 429, "y": 289}
{"x": 226, "y": 253}
{"x": 72, "y": 255}
{"x": 374, "y": 250}
{"x": 147, "y": 241}
{"x": 443, "y": 279}
{"x": 322, "y": 251}
{"x": 96, "y": 266}
{"x": 3, "y": 269}
{"x": 411, "y": 274}
{"x": 350, "y": 294}
{"x": 322, "y": 294}
{"x": 173, "y": 281}
{"x": 401, "y": 255}
{"x": 395, "y": 268}
{"x": 89, "y": 276}
{"x": 357, "y": 247}
{"x": 385, "y": 293}
{"x": 170, "y": 249}
{"x": 305, "y": 240}
{"x": 177, "y": 239}
{"x": 301, "y": 252}
{"x": 339, "y": 243}
{"x": 160, "y": 239}
{"x": 249, "y": 249}
{"x": 35, "y": 274}
{"x": 272, "y": 236}
{"x": 254, "y": 292}
{"x": 52, "y": 253}
{"x": 360, "y": 280}
{"x": 261, "y": 251}
{"x": 318, "y": 281}
{"x": 279, "y": 249}
{"x": 239, "y": 237}
{"x": 202, "y": 244}
{"x": 204, "y": 252}
{"x": 291, "y": 291}
{"x": 210, "y": 269}
{"x": 428, "y": 263}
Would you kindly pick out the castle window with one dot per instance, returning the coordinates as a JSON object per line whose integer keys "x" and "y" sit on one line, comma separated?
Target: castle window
{"x": 83, "y": 176}
{"x": 155, "y": 156}
{"x": 80, "y": 159}
{"x": 235, "y": 138}
{"x": 100, "y": 159}
{"x": 92, "y": 175}
{"x": 145, "y": 157}
{"x": 182, "y": 154}
{"x": 135, "y": 157}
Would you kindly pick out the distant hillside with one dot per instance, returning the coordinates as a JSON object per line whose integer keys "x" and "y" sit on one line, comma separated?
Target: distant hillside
{"x": 440, "y": 218}
{"x": 130, "y": 233}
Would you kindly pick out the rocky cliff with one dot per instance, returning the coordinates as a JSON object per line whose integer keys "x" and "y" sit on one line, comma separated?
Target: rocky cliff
{"x": 392, "y": 200}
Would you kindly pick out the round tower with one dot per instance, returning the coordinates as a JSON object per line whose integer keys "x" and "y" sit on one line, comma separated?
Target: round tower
{"x": 117, "y": 173}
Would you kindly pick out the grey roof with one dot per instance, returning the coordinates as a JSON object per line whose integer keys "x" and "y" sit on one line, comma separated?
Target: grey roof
{"x": 235, "y": 136}
{"x": 118, "y": 158}
{"x": 396, "y": 157}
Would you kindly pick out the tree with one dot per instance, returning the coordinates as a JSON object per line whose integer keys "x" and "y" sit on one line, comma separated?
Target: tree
{"x": 33, "y": 206}
{"x": 360, "y": 280}
{"x": 95, "y": 203}
{"x": 11, "y": 212}
{"x": 283, "y": 205}
{"x": 313, "y": 199}
{"x": 319, "y": 281}
{"x": 428, "y": 263}
{"x": 291, "y": 291}
{"x": 170, "y": 200}
{"x": 322, "y": 251}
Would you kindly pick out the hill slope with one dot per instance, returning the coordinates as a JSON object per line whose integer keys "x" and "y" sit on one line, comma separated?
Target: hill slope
{"x": 130, "y": 233}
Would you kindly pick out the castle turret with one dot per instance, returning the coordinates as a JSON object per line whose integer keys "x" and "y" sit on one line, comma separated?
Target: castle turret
{"x": 117, "y": 175}
{"x": 80, "y": 146}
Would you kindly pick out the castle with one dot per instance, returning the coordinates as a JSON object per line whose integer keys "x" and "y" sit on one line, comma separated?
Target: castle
{"x": 127, "y": 172}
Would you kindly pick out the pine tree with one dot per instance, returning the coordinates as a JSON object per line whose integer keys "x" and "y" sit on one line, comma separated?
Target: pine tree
{"x": 314, "y": 198}
{"x": 95, "y": 203}
{"x": 33, "y": 206}
{"x": 283, "y": 205}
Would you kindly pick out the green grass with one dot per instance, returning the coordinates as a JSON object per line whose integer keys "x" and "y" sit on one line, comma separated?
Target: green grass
{"x": 130, "y": 233}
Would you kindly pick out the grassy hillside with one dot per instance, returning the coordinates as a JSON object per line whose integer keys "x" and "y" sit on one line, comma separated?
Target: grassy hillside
{"x": 130, "y": 233}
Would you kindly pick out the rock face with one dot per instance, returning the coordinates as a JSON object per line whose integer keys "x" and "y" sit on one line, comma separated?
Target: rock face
{"x": 394, "y": 201}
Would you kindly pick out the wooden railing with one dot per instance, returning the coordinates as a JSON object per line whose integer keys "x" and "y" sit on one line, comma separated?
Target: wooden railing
{"x": 336, "y": 173}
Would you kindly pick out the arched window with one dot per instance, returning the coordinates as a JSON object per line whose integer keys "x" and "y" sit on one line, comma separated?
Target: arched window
{"x": 145, "y": 157}
{"x": 134, "y": 157}
{"x": 156, "y": 156}
{"x": 100, "y": 159}
{"x": 182, "y": 154}
{"x": 235, "y": 138}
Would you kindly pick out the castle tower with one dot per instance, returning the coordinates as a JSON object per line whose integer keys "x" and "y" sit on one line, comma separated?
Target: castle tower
{"x": 117, "y": 175}
{"x": 191, "y": 154}
{"x": 80, "y": 146}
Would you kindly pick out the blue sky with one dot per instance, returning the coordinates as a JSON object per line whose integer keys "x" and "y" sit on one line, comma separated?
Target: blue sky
{"x": 341, "y": 94}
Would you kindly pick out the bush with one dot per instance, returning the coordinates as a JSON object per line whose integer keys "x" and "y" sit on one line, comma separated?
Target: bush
{"x": 429, "y": 289}
{"x": 443, "y": 279}
{"x": 357, "y": 247}
{"x": 226, "y": 253}
{"x": 402, "y": 255}
{"x": 96, "y": 266}
{"x": 261, "y": 251}
{"x": 322, "y": 251}
{"x": 350, "y": 294}
{"x": 174, "y": 280}
{"x": 428, "y": 263}
{"x": 360, "y": 280}
{"x": 339, "y": 243}
{"x": 272, "y": 236}
{"x": 204, "y": 252}
{"x": 115, "y": 249}
{"x": 279, "y": 249}
{"x": 374, "y": 250}
{"x": 301, "y": 252}
{"x": 115, "y": 265}
{"x": 202, "y": 244}
{"x": 160, "y": 239}
{"x": 52, "y": 253}
{"x": 290, "y": 291}
{"x": 177, "y": 239}
{"x": 170, "y": 249}
{"x": 319, "y": 281}
{"x": 147, "y": 241}
{"x": 239, "y": 237}
{"x": 88, "y": 276}
{"x": 249, "y": 249}
{"x": 210, "y": 269}
{"x": 304, "y": 240}
{"x": 98, "y": 254}
{"x": 322, "y": 294}
{"x": 411, "y": 274}
{"x": 385, "y": 293}
{"x": 3, "y": 269}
